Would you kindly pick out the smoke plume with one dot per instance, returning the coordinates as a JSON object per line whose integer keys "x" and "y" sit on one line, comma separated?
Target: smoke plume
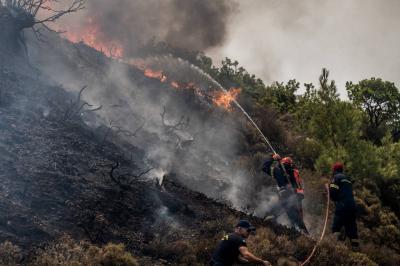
{"x": 193, "y": 25}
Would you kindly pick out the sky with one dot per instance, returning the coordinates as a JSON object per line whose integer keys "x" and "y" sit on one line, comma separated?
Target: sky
{"x": 278, "y": 40}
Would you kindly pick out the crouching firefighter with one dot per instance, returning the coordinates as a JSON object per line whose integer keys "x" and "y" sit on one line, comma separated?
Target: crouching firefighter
{"x": 341, "y": 192}
{"x": 233, "y": 248}
{"x": 290, "y": 188}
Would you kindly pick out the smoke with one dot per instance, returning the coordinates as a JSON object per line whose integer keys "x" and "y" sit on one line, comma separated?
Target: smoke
{"x": 354, "y": 39}
{"x": 192, "y": 25}
{"x": 201, "y": 155}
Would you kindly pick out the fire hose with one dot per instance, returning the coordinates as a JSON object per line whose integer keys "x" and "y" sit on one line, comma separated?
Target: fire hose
{"x": 323, "y": 230}
{"x": 327, "y": 190}
{"x": 308, "y": 259}
{"x": 273, "y": 150}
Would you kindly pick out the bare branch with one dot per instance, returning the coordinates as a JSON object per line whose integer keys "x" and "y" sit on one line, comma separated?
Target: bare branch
{"x": 111, "y": 173}
{"x": 77, "y": 107}
{"x": 139, "y": 175}
{"x": 124, "y": 181}
{"x": 182, "y": 124}
{"x": 34, "y": 9}
{"x": 121, "y": 130}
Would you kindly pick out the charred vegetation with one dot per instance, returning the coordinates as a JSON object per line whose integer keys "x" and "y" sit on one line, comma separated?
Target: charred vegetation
{"x": 70, "y": 166}
{"x": 18, "y": 15}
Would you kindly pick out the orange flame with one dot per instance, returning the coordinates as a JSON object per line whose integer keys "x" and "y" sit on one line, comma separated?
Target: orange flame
{"x": 90, "y": 36}
{"x": 175, "y": 85}
{"x": 225, "y": 99}
{"x": 155, "y": 75}
{"x": 221, "y": 99}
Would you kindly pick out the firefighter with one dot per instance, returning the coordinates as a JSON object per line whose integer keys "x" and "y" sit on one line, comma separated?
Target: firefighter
{"x": 290, "y": 188}
{"x": 233, "y": 248}
{"x": 341, "y": 192}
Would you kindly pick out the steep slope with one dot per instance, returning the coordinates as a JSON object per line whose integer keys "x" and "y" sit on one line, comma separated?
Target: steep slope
{"x": 55, "y": 179}
{"x": 64, "y": 170}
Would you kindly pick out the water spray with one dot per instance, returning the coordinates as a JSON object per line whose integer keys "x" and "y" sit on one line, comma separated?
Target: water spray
{"x": 268, "y": 144}
{"x": 220, "y": 87}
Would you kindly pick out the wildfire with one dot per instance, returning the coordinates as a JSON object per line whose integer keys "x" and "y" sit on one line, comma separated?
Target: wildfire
{"x": 90, "y": 36}
{"x": 175, "y": 85}
{"x": 225, "y": 99}
{"x": 219, "y": 98}
{"x": 155, "y": 75}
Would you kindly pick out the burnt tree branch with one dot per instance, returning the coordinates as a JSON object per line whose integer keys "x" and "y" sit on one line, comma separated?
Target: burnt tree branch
{"x": 182, "y": 124}
{"x": 121, "y": 130}
{"x": 78, "y": 107}
{"x": 125, "y": 181}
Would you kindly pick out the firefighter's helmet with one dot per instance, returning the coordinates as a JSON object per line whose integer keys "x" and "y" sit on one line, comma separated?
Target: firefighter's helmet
{"x": 287, "y": 161}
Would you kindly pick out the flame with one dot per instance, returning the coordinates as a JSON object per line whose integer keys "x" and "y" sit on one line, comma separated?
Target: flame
{"x": 89, "y": 35}
{"x": 219, "y": 98}
{"x": 225, "y": 99}
{"x": 155, "y": 75}
{"x": 175, "y": 85}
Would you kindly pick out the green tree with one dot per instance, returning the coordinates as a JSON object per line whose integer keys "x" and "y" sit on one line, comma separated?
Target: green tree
{"x": 282, "y": 96}
{"x": 323, "y": 116}
{"x": 333, "y": 124}
{"x": 380, "y": 100}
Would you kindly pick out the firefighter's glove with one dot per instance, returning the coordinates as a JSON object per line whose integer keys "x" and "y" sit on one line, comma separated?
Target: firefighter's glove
{"x": 276, "y": 157}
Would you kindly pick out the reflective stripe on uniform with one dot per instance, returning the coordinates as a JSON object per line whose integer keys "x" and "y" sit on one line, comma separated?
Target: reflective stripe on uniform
{"x": 334, "y": 186}
{"x": 346, "y": 181}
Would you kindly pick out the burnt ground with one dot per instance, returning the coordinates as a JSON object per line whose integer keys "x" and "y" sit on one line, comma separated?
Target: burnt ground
{"x": 55, "y": 179}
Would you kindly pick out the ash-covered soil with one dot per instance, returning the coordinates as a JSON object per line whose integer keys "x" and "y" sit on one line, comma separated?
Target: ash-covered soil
{"x": 59, "y": 176}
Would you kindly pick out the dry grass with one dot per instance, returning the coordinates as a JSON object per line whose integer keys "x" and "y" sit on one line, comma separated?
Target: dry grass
{"x": 10, "y": 254}
{"x": 66, "y": 252}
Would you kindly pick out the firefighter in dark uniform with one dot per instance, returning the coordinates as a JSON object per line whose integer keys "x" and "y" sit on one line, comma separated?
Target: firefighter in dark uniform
{"x": 341, "y": 192}
{"x": 290, "y": 188}
{"x": 233, "y": 248}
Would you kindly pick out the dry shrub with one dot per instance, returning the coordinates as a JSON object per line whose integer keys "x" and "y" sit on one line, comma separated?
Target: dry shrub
{"x": 261, "y": 243}
{"x": 332, "y": 252}
{"x": 194, "y": 251}
{"x": 287, "y": 262}
{"x": 381, "y": 254}
{"x": 10, "y": 254}
{"x": 283, "y": 251}
{"x": 67, "y": 252}
{"x": 114, "y": 254}
{"x": 272, "y": 247}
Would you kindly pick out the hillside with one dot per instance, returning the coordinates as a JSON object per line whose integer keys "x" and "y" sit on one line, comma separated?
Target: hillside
{"x": 95, "y": 152}
{"x": 55, "y": 177}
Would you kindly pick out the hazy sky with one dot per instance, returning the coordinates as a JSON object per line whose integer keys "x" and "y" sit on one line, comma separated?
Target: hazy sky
{"x": 284, "y": 39}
